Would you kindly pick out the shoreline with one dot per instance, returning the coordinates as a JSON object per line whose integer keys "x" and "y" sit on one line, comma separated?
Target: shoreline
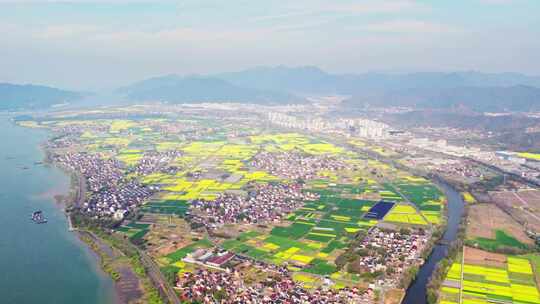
{"x": 96, "y": 257}
{"x": 131, "y": 262}
{"x": 64, "y": 201}
{"x": 107, "y": 257}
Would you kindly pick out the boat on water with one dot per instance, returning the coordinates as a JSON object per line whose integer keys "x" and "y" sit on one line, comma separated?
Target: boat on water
{"x": 38, "y": 218}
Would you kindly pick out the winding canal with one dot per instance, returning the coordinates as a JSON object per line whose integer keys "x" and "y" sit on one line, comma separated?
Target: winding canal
{"x": 416, "y": 293}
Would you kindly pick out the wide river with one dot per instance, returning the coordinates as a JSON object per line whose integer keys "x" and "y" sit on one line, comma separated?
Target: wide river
{"x": 416, "y": 293}
{"x": 40, "y": 263}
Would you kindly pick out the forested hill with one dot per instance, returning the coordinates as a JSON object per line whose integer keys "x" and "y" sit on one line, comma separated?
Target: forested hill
{"x": 15, "y": 97}
{"x": 193, "y": 89}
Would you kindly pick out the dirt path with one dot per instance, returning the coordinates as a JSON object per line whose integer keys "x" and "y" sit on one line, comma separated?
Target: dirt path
{"x": 527, "y": 205}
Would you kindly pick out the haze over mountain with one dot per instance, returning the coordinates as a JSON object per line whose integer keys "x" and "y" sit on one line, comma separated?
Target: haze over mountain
{"x": 14, "y": 96}
{"x": 311, "y": 79}
{"x": 517, "y": 98}
{"x": 287, "y": 85}
{"x": 474, "y": 90}
{"x": 193, "y": 89}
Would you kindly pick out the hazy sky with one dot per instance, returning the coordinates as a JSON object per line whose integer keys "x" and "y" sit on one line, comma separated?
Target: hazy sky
{"x": 89, "y": 44}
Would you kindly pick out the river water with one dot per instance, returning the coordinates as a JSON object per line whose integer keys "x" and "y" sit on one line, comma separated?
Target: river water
{"x": 416, "y": 293}
{"x": 40, "y": 263}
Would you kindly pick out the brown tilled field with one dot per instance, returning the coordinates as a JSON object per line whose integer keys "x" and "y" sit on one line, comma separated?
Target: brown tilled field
{"x": 506, "y": 198}
{"x": 394, "y": 296}
{"x": 532, "y": 198}
{"x": 524, "y": 206}
{"x": 485, "y": 219}
{"x": 484, "y": 258}
{"x": 168, "y": 235}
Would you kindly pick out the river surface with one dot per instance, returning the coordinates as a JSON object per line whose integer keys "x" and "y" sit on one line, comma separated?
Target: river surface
{"x": 40, "y": 263}
{"x": 416, "y": 293}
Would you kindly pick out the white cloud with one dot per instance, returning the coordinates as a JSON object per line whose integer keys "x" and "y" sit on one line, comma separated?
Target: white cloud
{"x": 316, "y": 9}
{"x": 497, "y": 1}
{"x": 372, "y": 7}
{"x": 408, "y": 26}
{"x": 68, "y": 31}
{"x": 336, "y": 35}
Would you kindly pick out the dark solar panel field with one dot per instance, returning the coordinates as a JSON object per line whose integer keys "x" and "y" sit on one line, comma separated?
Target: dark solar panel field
{"x": 379, "y": 210}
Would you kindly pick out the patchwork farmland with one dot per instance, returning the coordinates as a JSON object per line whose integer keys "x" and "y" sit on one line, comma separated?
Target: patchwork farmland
{"x": 238, "y": 196}
{"x": 491, "y": 278}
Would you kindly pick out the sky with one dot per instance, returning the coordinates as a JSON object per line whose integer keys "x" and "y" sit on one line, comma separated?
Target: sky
{"x": 101, "y": 44}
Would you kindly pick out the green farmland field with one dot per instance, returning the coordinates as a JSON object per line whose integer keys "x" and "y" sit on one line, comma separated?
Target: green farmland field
{"x": 514, "y": 283}
{"x": 502, "y": 239}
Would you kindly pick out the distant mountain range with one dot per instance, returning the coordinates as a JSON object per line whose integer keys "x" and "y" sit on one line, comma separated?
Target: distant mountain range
{"x": 473, "y": 90}
{"x": 13, "y": 96}
{"x": 283, "y": 85}
{"x": 278, "y": 85}
{"x": 193, "y": 89}
{"x": 517, "y": 98}
{"x": 312, "y": 80}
